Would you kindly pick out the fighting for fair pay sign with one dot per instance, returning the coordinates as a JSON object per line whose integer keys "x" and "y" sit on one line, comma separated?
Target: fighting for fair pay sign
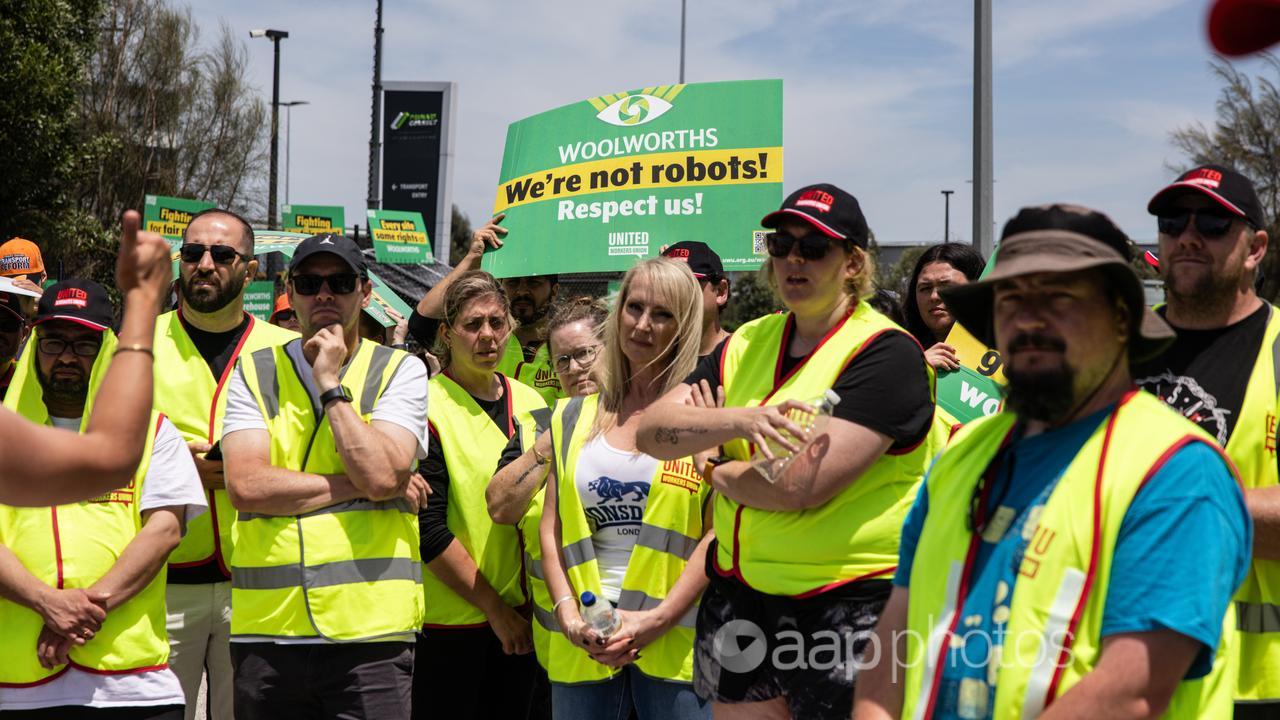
{"x": 595, "y": 185}
{"x": 169, "y": 216}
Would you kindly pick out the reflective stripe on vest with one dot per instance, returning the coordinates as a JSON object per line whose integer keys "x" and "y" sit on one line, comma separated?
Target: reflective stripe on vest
{"x": 1053, "y": 635}
{"x": 853, "y": 536}
{"x": 472, "y": 445}
{"x": 318, "y": 574}
{"x": 1252, "y": 447}
{"x": 195, "y": 402}
{"x": 74, "y": 545}
{"x": 671, "y": 528}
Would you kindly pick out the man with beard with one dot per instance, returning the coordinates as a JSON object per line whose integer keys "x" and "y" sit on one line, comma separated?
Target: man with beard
{"x": 83, "y": 583}
{"x": 1221, "y": 373}
{"x": 1075, "y": 554}
{"x": 196, "y": 347}
{"x": 527, "y": 357}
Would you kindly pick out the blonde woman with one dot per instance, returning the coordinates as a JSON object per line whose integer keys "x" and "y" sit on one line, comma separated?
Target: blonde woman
{"x": 623, "y": 525}
{"x": 477, "y": 627}
{"x": 810, "y": 556}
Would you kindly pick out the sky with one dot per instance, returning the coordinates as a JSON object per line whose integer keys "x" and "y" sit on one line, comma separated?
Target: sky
{"x": 877, "y": 94}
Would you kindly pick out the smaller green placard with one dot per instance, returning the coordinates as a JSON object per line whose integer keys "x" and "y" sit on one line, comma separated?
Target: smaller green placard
{"x": 169, "y": 216}
{"x": 313, "y": 219}
{"x": 968, "y": 395}
{"x": 399, "y": 238}
{"x": 260, "y": 299}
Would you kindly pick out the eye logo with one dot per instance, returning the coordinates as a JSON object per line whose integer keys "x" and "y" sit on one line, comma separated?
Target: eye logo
{"x": 634, "y": 110}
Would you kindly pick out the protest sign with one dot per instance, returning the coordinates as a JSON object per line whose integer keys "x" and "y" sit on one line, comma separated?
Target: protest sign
{"x": 313, "y": 219}
{"x": 169, "y": 216}
{"x": 592, "y": 186}
{"x": 399, "y": 238}
{"x": 260, "y": 298}
{"x": 975, "y": 389}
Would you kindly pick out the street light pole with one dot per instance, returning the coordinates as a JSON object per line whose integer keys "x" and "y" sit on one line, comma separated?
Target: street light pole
{"x": 983, "y": 192}
{"x": 288, "y": 141}
{"x": 682, "y": 19}
{"x": 275, "y": 36}
{"x": 946, "y": 214}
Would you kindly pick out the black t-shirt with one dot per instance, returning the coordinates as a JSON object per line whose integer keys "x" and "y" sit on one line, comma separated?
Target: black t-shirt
{"x": 433, "y": 529}
{"x": 216, "y": 348}
{"x": 1204, "y": 374}
{"x": 885, "y": 388}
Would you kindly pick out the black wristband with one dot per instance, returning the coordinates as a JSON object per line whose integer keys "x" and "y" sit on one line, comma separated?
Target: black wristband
{"x": 337, "y": 393}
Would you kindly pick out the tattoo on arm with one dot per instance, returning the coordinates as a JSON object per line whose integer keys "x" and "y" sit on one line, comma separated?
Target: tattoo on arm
{"x": 671, "y": 435}
{"x": 528, "y": 471}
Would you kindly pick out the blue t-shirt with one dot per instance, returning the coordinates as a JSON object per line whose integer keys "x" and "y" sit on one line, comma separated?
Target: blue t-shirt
{"x": 1183, "y": 549}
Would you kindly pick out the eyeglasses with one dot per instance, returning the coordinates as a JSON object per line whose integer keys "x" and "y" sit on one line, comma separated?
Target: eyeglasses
{"x": 583, "y": 356}
{"x": 339, "y": 283}
{"x": 56, "y": 346}
{"x": 222, "y": 254}
{"x": 1209, "y": 224}
{"x": 813, "y": 246}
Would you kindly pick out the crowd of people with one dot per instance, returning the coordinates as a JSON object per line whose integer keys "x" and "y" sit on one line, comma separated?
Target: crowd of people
{"x": 312, "y": 522}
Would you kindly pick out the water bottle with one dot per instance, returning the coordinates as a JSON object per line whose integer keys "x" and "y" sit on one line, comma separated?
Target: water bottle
{"x": 600, "y": 616}
{"x": 813, "y": 424}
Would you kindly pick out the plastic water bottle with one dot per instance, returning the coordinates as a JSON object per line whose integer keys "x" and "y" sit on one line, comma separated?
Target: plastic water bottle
{"x": 600, "y": 616}
{"x": 813, "y": 424}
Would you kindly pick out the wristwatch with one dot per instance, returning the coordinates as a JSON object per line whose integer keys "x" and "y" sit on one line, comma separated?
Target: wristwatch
{"x": 338, "y": 393}
{"x": 712, "y": 464}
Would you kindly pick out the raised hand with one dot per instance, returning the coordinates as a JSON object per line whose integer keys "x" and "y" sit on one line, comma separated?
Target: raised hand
{"x": 488, "y": 236}
{"x": 327, "y": 349}
{"x": 143, "y": 262}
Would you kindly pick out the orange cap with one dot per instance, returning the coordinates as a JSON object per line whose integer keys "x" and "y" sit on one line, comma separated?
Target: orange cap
{"x": 20, "y": 257}
{"x": 282, "y": 304}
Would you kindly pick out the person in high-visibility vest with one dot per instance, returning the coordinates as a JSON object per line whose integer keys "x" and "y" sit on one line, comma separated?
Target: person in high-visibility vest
{"x": 74, "y": 467}
{"x": 1074, "y": 555}
{"x": 196, "y": 348}
{"x": 624, "y": 525}
{"x": 477, "y": 626}
{"x": 715, "y": 286}
{"x": 319, "y": 437}
{"x": 82, "y": 583}
{"x": 1223, "y": 373}
{"x": 812, "y": 552}
{"x": 928, "y": 320}
{"x": 515, "y": 492}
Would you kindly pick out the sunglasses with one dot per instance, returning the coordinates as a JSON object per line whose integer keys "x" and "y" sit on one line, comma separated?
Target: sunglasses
{"x": 813, "y": 246}
{"x": 339, "y": 283}
{"x": 56, "y": 346}
{"x": 1209, "y": 224}
{"x": 222, "y": 254}
{"x": 582, "y": 356}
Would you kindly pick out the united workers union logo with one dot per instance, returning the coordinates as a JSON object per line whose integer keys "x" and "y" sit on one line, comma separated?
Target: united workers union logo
{"x": 740, "y": 646}
{"x": 631, "y": 109}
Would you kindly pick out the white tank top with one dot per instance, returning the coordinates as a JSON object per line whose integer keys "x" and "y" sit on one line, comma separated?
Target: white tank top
{"x": 614, "y": 487}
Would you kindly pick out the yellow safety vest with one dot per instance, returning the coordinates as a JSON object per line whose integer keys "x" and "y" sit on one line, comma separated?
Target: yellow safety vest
{"x": 472, "y": 446}
{"x": 854, "y": 536}
{"x": 1053, "y": 636}
{"x": 1252, "y": 447}
{"x": 348, "y": 572}
{"x": 537, "y": 373}
{"x": 194, "y": 401}
{"x": 73, "y": 546}
{"x": 670, "y": 530}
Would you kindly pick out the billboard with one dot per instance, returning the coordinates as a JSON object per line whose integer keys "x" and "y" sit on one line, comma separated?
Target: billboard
{"x": 417, "y": 152}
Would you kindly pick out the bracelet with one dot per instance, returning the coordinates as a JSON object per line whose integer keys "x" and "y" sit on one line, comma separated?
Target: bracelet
{"x": 135, "y": 348}
{"x": 556, "y": 607}
{"x": 539, "y": 459}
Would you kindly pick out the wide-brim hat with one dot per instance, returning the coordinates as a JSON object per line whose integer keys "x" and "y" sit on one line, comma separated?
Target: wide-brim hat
{"x": 1060, "y": 239}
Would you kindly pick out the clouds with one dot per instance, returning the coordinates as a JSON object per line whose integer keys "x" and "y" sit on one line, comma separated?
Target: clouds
{"x": 877, "y": 94}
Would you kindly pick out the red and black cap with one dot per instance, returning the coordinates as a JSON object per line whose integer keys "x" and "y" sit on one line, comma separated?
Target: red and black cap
{"x": 1225, "y": 186}
{"x": 342, "y": 246}
{"x": 832, "y": 211}
{"x": 83, "y": 302}
{"x": 702, "y": 260}
{"x": 1241, "y": 27}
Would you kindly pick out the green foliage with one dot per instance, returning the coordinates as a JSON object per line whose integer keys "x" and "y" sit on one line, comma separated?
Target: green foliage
{"x": 1246, "y": 137}
{"x": 750, "y": 297}
{"x": 459, "y": 236}
{"x": 895, "y": 277}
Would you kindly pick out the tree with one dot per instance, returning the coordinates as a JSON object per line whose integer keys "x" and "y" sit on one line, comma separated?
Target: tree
{"x": 749, "y": 298}
{"x": 459, "y": 236}
{"x": 1246, "y": 136}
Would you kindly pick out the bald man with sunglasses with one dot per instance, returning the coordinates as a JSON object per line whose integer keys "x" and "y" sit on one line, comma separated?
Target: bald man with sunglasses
{"x": 1222, "y": 373}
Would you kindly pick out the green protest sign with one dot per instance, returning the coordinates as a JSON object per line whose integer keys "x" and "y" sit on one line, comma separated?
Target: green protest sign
{"x": 592, "y": 186}
{"x": 399, "y": 238}
{"x": 169, "y": 216}
{"x": 976, "y": 388}
{"x": 313, "y": 219}
{"x": 260, "y": 299}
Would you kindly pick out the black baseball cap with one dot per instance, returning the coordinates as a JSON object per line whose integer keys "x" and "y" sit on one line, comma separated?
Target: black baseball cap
{"x": 702, "y": 260}
{"x": 83, "y": 302}
{"x": 340, "y": 245}
{"x": 831, "y": 210}
{"x": 1228, "y": 188}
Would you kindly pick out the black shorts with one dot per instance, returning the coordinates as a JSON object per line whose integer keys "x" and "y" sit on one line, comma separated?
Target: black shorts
{"x": 753, "y": 647}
